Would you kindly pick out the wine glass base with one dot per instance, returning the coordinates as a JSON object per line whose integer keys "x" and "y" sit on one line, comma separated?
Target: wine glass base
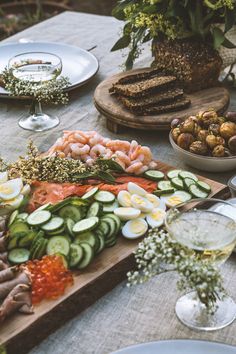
{"x": 39, "y": 122}
{"x": 191, "y": 312}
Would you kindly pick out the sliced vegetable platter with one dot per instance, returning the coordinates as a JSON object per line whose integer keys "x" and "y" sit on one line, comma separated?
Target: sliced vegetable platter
{"x": 107, "y": 269}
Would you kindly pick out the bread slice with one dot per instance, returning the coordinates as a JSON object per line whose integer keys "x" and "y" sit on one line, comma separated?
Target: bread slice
{"x": 131, "y": 78}
{"x": 144, "y": 87}
{"x": 175, "y": 105}
{"x": 137, "y": 104}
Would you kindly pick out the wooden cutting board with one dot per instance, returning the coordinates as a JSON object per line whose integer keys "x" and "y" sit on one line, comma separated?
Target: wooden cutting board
{"x": 117, "y": 115}
{"x": 21, "y": 332}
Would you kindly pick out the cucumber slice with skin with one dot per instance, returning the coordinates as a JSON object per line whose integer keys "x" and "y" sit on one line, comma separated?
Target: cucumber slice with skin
{"x": 173, "y": 173}
{"x": 188, "y": 182}
{"x": 204, "y": 186}
{"x": 185, "y": 196}
{"x": 22, "y": 216}
{"x": 109, "y": 208}
{"x": 70, "y": 211}
{"x": 39, "y": 217}
{"x": 27, "y": 240}
{"x": 104, "y": 197}
{"x": 54, "y": 224}
{"x": 44, "y": 207}
{"x": 13, "y": 217}
{"x": 69, "y": 227}
{"x": 164, "y": 185}
{"x": 58, "y": 244}
{"x": 95, "y": 209}
{"x": 103, "y": 228}
{"x": 40, "y": 249}
{"x": 85, "y": 225}
{"x": 197, "y": 192}
{"x": 18, "y": 229}
{"x": 56, "y": 232}
{"x": 186, "y": 174}
{"x": 177, "y": 183}
{"x": 88, "y": 256}
{"x": 161, "y": 192}
{"x": 87, "y": 237}
{"x": 90, "y": 194}
{"x": 113, "y": 227}
{"x": 18, "y": 255}
{"x": 13, "y": 242}
{"x": 154, "y": 175}
{"x": 102, "y": 244}
{"x": 76, "y": 255}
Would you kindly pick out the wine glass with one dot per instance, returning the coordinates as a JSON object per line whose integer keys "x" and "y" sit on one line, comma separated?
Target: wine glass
{"x": 37, "y": 68}
{"x": 207, "y": 228}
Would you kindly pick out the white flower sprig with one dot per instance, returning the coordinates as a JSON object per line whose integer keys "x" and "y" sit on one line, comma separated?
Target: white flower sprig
{"x": 49, "y": 92}
{"x": 159, "y": 253}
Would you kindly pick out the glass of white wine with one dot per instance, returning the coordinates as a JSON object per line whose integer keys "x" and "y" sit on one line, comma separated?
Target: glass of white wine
{"x": 207, "y": 229}
{"x": 37, "y": 68}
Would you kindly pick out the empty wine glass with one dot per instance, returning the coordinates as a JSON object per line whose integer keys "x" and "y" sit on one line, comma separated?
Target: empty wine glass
{"x": 207, "y": 228}
{"x": 37, "y": 68}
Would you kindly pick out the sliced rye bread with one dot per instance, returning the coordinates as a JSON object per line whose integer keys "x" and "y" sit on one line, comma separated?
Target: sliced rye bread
{"x": 129, "y": 79}
{"x": 176, "y": 105}
{"x": 137, "y": 104}
{"x": 143, "y": 87}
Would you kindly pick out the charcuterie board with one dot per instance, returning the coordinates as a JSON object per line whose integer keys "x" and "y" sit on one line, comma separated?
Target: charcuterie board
{"x": 117, "y": 115}
{"x": 21, "y": 332}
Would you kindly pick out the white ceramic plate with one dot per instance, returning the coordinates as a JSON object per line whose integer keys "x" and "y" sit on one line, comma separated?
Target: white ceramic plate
{"x": 179, "y": 346}
{"x": 78, "y": 64}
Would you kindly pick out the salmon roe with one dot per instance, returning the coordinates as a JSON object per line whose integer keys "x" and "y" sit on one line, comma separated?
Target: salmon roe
{"x": 49, "y": 278}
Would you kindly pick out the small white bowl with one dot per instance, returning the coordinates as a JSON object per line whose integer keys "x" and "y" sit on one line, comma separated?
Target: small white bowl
{"x": 204, "y": 163}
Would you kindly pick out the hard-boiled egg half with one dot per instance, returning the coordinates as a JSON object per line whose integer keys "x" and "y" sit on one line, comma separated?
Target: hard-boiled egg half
{"x": 133, "y": 188}
{"x": 3, "y": 177}
{"x": 156, "y": 217}
{"x": 10, "y": 189}
{"x": 176, "y": 198}
{"x": 127, "y": 213}
{"x": 156, "y": 201}
{"x": 134, "y": 228}
{"x": 141, "y": 203}
{"x": 124, "y": 198}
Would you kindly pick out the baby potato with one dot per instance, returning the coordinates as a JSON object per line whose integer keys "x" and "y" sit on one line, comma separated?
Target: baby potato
{"x": 185, "y": 140}
{"x": 228, "y": 129}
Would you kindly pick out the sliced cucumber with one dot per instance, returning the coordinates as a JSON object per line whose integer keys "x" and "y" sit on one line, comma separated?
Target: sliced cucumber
{"x": 109, "y": 208}
{"x": 69, "y": 227}
{"x": 70, "y": 211}
{"x": 185, "y": 196}
{"x": 95, "y": 209}
{"x": 186, "y": 174}
{"x": 116, "y": 219}
{"x": 88, "y": 256}
{"x": 76, "y": 255}
{"x": 27, "y": 240}
{"x": 204, "y": 186}
{"x": 188, "y": 182}
{"x": 13, "y": 217}
{"x": 177, "y": 183}
{"x": 18, "y": 229}
{"x": 154, "y": 175}
{"x": 58, "y": 244}
{"x": 87, "y": 237}
{"x": 44, "y": 207}
{"x": 103, "y": 228}
{"x": 104, "y": 197}
{"x": 85, "y": 225}
{"x": 102, "y": 243}
{"x": 39, "y": 249}
{"x": 54, "y": 224}
{"x": 113, "y": 227}
{"x": 173, "y": 173}
{"x": 90, "y": 194}
{"x": 164, "y": 185}
{"x": 18, "y": 255}
{"x": 160, "y": 192}
{"x": 39, "y": 217}
{"x": 13, "y": 242}
{"x": 197, "y": 192}
{"x": 22, "y": 216}
{"x": 110, "y": 243}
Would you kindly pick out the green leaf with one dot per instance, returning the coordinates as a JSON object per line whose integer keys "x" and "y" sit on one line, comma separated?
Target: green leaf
{"x": 110, "y": 164}
{"x": 106, "y": 176}
{"x": 218, "y": 37}
{"x": 228, "y": 44}
{"x": 122, "y": 43}
{"x": 229, "y": 19}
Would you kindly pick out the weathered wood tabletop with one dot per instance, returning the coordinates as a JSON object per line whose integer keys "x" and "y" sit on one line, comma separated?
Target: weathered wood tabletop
{"x": 124, "y": 316}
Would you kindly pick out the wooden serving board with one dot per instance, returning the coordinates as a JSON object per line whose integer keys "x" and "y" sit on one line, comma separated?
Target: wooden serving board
{"x": 117, "y": 115}
{"x": 21, "y": 332}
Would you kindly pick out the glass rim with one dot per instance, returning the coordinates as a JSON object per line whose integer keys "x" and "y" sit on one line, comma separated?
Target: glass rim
{"x": 35, "y": 52}
{"x": 197, "y": 200}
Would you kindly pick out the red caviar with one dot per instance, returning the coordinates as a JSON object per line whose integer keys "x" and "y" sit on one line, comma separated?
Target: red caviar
{"x": 49, "y": 278}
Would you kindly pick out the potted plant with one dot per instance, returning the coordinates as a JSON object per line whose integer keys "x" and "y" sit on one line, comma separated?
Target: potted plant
{"x": 186, "y": 35}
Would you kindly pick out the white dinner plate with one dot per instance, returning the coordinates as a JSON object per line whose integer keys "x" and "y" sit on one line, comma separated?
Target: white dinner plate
{"x": 78, "y": 64}
{"x": 179, "y": 346}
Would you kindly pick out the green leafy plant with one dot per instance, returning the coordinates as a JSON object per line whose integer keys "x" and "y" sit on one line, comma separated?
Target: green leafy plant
{"x": 173, "y": 19}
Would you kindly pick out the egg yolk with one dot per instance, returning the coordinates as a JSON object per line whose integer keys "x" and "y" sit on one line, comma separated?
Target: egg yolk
{"x": 158, "y": 215}
{"x": 6, "y": 189}
{"x": 136, "y": 227}
{"x": 139, "y": 201}
{"x": 174, "y": 200}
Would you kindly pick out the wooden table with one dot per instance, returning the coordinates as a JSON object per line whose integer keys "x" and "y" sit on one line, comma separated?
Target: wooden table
{"x": 124, "y": 316}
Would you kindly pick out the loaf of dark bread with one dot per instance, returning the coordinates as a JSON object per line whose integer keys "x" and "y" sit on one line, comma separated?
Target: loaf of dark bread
{"x": 138, "y": 104}
{"x": 195, "y": 64}
{"x": 175, "y": 105}
{"x": 143, "y": 87}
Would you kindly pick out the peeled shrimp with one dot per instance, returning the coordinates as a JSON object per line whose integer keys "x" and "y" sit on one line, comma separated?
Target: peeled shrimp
{"x": 97, "y": 150}
{"x": 123, "y": 157}
{"x": 118, "y": 145}
{"x": 80, "y": 149}
{"x": 134, "y": 168}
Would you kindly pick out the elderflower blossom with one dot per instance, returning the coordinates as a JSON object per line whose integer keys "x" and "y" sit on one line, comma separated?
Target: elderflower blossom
{"x": 219, "y": 4}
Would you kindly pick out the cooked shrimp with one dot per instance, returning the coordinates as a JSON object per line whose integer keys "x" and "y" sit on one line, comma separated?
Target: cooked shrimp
{"x": 96, "y": 139}
{"x": 98, "y": 150}
{"x": 108, "y": 154}
{"x": 134, "y": 168}
{"x": 80, "y": 137}
{"x": 152, "y": 165}
{"x": 90, "y": 162}
{"x": 141, "y": 170}
{"x": 121, "y": 163}
{"x": 118, "y": 145}
{"x": 123, "y": 157}
{"x": 80, "y": 149}
{"x": 144, "y": 150}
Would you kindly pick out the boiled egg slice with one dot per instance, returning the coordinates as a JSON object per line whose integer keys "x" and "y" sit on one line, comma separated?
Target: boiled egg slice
{"x": 156, "y": 217}
{"x": 124, "y": 198}
{"x": 16, "y": 202}
{"x": 3, "y": 177}
{"x": 25, "y": 190}
{"x": 127, "y": 213}
{"x": 156, "y": 202}
{"x": 176, "y": 198}
{"x": 133, "y": 188}
{"x": 11, "y": 189}
{"x": 141, "y": 203}
{"x": 134, "y": 228}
